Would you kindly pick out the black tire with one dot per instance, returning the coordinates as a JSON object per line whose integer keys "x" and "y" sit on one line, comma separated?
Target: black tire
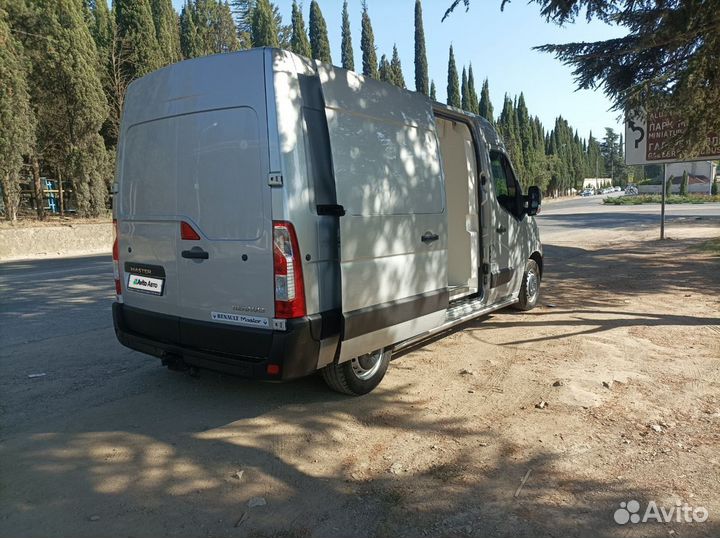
{"x": 358, "y": 376}
{"x": 531, "y": 281}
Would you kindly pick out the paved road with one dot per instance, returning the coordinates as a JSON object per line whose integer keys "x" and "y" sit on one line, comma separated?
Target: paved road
{"x": 589, "y": 213}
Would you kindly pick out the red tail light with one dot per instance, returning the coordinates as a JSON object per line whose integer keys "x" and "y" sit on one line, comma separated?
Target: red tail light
{"x": 289, "y": 287}
{"x": 188, "y": 233}
{"x": 116, "y": 263}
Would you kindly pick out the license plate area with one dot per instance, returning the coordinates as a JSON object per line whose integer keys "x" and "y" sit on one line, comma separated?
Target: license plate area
{"x": 145, "y": 278}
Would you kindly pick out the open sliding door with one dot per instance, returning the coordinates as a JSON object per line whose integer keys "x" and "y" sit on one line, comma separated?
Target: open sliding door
{"x": 393, "y": 235}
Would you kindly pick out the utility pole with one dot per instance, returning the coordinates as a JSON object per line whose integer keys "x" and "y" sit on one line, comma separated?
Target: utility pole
{"x": 662, "y": 203}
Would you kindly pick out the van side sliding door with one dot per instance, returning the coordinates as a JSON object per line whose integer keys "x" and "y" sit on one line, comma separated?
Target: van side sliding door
{"x": 393, "y": 234}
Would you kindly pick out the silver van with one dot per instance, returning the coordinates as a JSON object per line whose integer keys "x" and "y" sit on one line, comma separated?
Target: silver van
{"x": 276, "y": 216}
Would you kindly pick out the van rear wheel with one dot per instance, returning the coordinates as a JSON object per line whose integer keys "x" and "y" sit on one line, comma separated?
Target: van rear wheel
{"x": 359, "y": 375}
{"x": 530, "y": 289}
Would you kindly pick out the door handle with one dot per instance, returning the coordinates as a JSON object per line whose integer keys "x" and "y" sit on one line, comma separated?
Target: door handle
{"x": 501, "y": 229}
{"x": 429, "y": 237}
{"x": 195, "y": 254}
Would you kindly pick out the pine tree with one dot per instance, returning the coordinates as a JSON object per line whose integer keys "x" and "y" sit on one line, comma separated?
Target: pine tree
{"x": 16, "y": 117}
{"x": 396, "y": 69}
{"x": 299, "y": 42}
{"x": 167, "y": 30}
{"x": 385, "y": 72}
{"x": 347, "y": 56}
{"x": 139, "y": 50}
{"x": 319, "y": 42}
{"x": 485, "y": 108}
{"x": 464, "y": 91}
{"x": 472, "y": 93}
{"x": 433, "y": 91}
{"x": 367, "y": 45}
{"x": 421, "y": 64}
{"x": 264, "y": 32}
{"x": 453, "y": 85}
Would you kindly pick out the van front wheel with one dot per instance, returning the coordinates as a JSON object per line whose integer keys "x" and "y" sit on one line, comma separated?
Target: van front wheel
{"x": 530, "y": 289}
{"x": 359, "y": 375}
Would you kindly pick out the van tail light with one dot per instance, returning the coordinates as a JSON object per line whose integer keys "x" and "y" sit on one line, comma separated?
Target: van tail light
{"x": 289, "y": 287}
{"x": 188, "y": 233}
{"x": 116, "y": 263}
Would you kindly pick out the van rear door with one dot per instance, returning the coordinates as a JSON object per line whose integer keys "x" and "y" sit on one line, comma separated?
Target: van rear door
{"x": 194, "y": 204}
{"x": 393, "y": 236}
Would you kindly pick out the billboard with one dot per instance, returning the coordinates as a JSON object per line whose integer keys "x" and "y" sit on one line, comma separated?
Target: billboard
{"x": 645, "y": 139}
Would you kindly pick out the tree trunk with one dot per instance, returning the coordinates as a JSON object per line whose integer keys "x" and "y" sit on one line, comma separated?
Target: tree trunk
{"x": 37, "y": 182}
{"x": 60, "y": 194}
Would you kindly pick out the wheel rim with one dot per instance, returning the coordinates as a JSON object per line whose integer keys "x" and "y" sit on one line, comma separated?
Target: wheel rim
{"x": 366, "y": 366}
{"x": 532, "y": 284}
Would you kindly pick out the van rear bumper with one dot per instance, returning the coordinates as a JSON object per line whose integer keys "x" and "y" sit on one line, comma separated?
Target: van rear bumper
{"x": 241, "y": 351}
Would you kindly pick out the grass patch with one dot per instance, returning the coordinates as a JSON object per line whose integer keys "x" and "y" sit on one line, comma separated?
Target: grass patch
{"x": 712, "y": 247}
{"x": 657, "y": 198}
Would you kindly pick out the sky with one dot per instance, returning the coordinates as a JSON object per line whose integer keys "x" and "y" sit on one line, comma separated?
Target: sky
{"x": 498, "y": 44}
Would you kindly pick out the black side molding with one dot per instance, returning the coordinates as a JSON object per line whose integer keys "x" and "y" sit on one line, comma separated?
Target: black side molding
{"x": 376, "y": 317}
{"x": 501, "y": 277}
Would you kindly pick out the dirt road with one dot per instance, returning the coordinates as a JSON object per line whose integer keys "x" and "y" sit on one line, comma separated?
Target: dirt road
{"x": 521, "y": 424}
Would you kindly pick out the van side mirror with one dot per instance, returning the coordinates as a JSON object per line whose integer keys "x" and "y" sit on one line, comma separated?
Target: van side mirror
{"x": 533, "y": 200}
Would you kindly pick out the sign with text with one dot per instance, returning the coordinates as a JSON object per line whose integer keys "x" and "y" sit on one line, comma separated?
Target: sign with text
{"x": 646, "y": 137}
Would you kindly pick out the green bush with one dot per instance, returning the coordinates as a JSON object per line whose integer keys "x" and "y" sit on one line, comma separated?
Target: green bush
{"x": 656, "y": 199}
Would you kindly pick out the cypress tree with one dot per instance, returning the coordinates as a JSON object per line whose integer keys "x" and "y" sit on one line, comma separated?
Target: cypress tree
{"x": 396, "y": 69}
{"x": 472, "y": 93}
{"x": 189, "y": 42}
{"x": 485, "y": 108}
{"x": 299, "y": 43}
{"x": 16, "y": 117}
{"x": 385, "y": 72}
{"x": 102, "y": 28}
{"x": 464, "y": 91}
{"x": 453, "y": 85}
{"x": 264, "y": 31}
{"x": 348, "y": 58}
{"x": 714, "y": 188}
{"x": 433, "y": 91}
{"x": 684, "y": 184}
{"x": 367, "y": 45}
{"x": 421, "y": 65}
{"x": 319, "y": 42}
{"x": 139, "y": 49}
{"x": 71, "y": 107}
{"x": 167, "y": 30}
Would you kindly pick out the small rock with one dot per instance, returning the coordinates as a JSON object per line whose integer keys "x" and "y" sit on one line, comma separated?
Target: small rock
{"x": 607, "y": 384}
{"x": 238, "y": 475}
{"x": 482, "y": 444}
{"x": 471, "y": 391}
{"x": 466, "y": 372}
{"x": 256, "y": 501}
{"x": 542, "y": 404}
{"x": 396, "y": 468}
{"x": 558, "y": 383}
{"x": 551, "y": 305}
{"x": 33, "y": 376}
{"x": 94, "y": 518}
{"x": 657, "y": 428}
{"x": 434, "y": 447}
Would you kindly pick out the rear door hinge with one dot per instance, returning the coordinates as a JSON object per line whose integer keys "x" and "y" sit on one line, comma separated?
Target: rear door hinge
{"x": 486, "y": 268}
{"x": 275, "y": 179}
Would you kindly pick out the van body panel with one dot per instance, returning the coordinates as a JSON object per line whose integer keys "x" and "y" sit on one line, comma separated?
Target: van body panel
{"x": 389, "y": 182}
{"x": 196, "y": 151}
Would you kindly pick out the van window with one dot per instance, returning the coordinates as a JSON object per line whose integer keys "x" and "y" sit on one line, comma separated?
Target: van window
{"x": 204, "y": 165}
{"x": 507, "y": 189}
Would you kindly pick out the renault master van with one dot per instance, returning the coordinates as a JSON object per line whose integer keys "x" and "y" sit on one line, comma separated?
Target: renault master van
{"x": 277, "y": 216}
